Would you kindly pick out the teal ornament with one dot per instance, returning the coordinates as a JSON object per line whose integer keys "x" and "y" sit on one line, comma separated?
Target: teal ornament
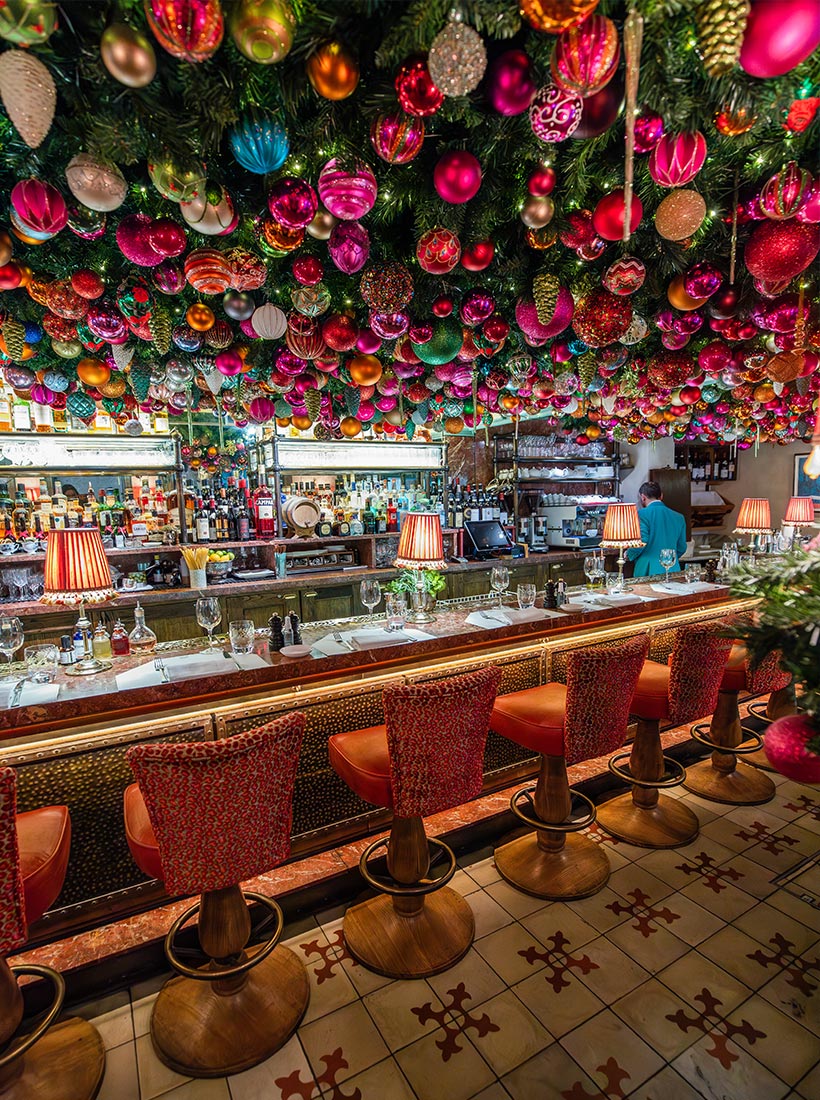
{"x": 708, "y": 392}
{"x": 79, "y": 404}
{"x": 259, "y": 143}
{"x": 409, "y": 429}
{"x": 577, "y": 347}
{"x": 282, "y": 408}
{"x": 353, "y": 399}
{"x": 444, "y": 345}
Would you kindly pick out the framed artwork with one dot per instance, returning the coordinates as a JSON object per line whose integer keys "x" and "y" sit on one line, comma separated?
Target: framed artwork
{"x": 804, "y": 486}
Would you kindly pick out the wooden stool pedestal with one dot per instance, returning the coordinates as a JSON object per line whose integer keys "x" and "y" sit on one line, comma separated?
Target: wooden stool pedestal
{"x": 723, "y": 778}
{"x": 67, "y": 1063}
{"x": 780, "y": 704}
{"x": 575, "y": 870}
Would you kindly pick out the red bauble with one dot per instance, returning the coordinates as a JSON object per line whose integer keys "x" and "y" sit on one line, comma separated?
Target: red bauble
{"x": 601, "y": 317}
{"x": 340, "y": 332}
{"x": 510, "y": 84}
{"x": 669, "y": 369}
{"x": 87, "y": 283}
{"x": 585, "y": 57}
{"x": 600, "y": 110}
{"x": 442, "y": 306}
{"x": 457, "y": 176}
{"x": 396, "y": 137}
{"x": 781, "y": 250}
{"x": 167, "y": 236}
{"x": 417, "y": 93}
{"x": 786, "y": 746}
{"x": 478, "y": 256}
{"x": 496, "y": 329}
{"x": 190, "y": 30}
{"x": 610, "y": 214}
{"x": 307, "y": 270}
{"x": 677, "y": 158}
{"x": 438, "y": 251}
{"x": 579, "y": 230}
{"x": 541, "y": 181}
{"x": 780, "y": 34}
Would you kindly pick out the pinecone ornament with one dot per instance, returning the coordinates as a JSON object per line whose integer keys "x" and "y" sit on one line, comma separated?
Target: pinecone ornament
{"x": 721, "y": 25}
{"x": 15, "y": 336}
{"x": 160, "y": 327}
{"x": 352, "y": 401}
{"x": 140, "y": 379}
{"x": 587, "y": 368}
{"x": 313, "y": 403}
{"x": 545, "y": 290}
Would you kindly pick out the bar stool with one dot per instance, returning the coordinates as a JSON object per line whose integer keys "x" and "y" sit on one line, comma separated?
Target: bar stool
{"x": 780, "y": 704}
{"x": 208, "y": 815}
{"x": 565, "y": 724}
{"x": 722, "y": 778}
{"x": 678, "y": 692}
{"x": 63, "y": 1061}
{"x": 427, "y": 758}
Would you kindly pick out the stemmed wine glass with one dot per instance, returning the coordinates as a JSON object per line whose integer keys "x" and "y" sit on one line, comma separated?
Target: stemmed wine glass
{"x": 371, "y": 594}
{"x": 668, "y": 559}
{"x": 500, "y": 581}
{"x": 591, "y": 570}
{"x": 208, "y": 615}
{"x": 11, "y": 636}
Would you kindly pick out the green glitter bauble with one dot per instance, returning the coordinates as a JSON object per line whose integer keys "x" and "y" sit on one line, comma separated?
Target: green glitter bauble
{"x": 444, "y": 345}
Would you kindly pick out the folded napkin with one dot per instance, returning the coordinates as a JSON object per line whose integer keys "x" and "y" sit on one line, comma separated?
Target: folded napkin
{"x": 188, "y": 666}
{"x": 367, "y": 638}
{"x": 31, "y": 695}
{"x": 680, "y": 588}
{"x": 616, "y": 598}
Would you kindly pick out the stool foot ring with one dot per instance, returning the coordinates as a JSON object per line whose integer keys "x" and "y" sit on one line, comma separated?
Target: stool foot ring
{"x": 751, "y": 743}
{"x": 397, "y": 946}
{"x": 580, "y": 868}
{"x": 673, "y": 774}
{"x": 67, "y": 1063}
{"x": 200, "y": 1033}
{"x": 744, "y": 786}
{"x": 667, "y": 824}
{"x": 760, "y": 760}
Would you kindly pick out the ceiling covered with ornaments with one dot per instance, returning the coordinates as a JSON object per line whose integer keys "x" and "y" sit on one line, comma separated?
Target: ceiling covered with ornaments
{"x": 381, "y": 216}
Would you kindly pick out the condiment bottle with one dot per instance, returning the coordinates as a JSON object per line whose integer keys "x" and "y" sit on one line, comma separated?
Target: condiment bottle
{"x": 120, "y": 646}
{"x": 141, "y": 639}
{"x": 66, "y": 650}
{"x": 101, "y": 643}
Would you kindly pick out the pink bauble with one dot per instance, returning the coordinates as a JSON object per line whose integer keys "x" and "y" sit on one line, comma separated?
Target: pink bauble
{"x": 39, "y": 206}
{"x": 349, "y": 246}
{"x": 526, "y": 316}
{"x": 190, "y": 30}
{"x": 785, "y": 745}
{"x": 780, "y": 34}
{"x": 367, "y": 342}
{"x": 510, "y": 85}
{"x": 555, "y": 114}
{"x": 781, "y": 250}
{"x": 262, "y": 409}
{"x": 784, "y": 193}
{"x": 397, "y": 137}
{"x": 809, "y": 212}
{"x": 438, "y": 251}
{"x": 677, "y": 158}
{"x": 457, "y": 176}
{"x": 625, "y": 275}
{"x": 648, "y": 131}
{"x": 476, "y": 307}
{"x": 702, "y": 280}
{"x": 347, "y": 191}
{"x": 389, "y": 326}
{"x": 585, "y": 56}
{"x": 229, "y": 362}
{"x": 134, "y": 240}
{"x": 609, "y": 215}
{"x": 168, "y": 277}
{"x": 292, "y": 202}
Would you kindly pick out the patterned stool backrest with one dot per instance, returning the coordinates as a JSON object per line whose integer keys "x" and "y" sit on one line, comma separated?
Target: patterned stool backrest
{"x": 767, "y": 675}
{"x": 13, "y": 930}
{"x": 600, "y": 684}
{"x": 221, "y": 811}
{"x": 436, "y": 734}
{"x": 696, "y": 670}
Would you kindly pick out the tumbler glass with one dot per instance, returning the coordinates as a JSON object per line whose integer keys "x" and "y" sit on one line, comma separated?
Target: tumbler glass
{"x": 241, "y": 633}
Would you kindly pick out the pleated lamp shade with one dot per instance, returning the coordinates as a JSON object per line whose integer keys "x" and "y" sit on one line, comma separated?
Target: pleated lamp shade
{"x": 76, "y": 568}
{"x": 755, "y": 517}
{"x": 420, "y": 544}
{"x": 621, "y": 526}
{"x": 800, "y": 512}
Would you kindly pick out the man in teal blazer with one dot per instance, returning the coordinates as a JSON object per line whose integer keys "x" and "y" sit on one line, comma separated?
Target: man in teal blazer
{"x": 661, "y": 529}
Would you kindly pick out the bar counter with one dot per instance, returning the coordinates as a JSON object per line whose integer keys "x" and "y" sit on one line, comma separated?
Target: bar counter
{"x": 72, "y": 750}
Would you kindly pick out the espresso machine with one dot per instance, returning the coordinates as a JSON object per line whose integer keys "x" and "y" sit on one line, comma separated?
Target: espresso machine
{"x": 576, "y": 526}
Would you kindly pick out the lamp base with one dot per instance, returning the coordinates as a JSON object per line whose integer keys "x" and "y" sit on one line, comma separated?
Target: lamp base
{"x": 420, "y": 617}
{"x": 87, "y": 667}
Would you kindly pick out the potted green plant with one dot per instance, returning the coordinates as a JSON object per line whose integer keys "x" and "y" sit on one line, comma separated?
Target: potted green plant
{"x": 788, "y": 620}
{"x": 422, "y": 597}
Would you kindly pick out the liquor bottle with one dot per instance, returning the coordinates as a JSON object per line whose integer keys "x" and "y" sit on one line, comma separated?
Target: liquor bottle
{"x": 392, "y": 516}
{"x": 120, "y": 646}
{"x": 21, "y": 415}
{"x": 458, "y": 509}
{"x": 59, "y": 501}
{"x": 6, "y": 509}
{"x": 141, "y": 639}
{"x": 103, "y": 511}
{"x": 265, "y": 509}
{"x": 44, "y": 504}
{"x": 242, "y": 519}
{"x": 5, "y": 411}
{"x": 20, "y": 514}
{"x": 43, "y": 418}
{"x": 202, "y": 526}
{"x": 724, "y": 470}
{"x": 213, "y": 522}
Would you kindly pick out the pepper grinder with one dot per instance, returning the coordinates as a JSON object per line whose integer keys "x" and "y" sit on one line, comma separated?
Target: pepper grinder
{"x": 550, "y": 598}
{"x": 710, "y": 570}
{"x": 277, "y": 639}
{"x": 294, "y": 625}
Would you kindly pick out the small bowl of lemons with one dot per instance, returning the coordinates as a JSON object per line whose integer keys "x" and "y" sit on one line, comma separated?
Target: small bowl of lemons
{"x": 220, "y": 563}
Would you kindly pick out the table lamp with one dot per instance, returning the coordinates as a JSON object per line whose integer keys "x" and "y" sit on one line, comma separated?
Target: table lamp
{"x": 421, "y": 547}
{"x": 77, "y": 573}
{"x": 622, "y": 530}
{"x": 754, "y": 518}
{"x": 799, "y": 513}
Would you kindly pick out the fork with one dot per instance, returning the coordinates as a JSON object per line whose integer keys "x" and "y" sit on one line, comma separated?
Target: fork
{"x": 159, "y": 665}
{"x": 337, "y": 637}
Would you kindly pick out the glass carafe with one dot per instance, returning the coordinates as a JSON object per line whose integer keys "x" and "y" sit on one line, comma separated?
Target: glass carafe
{"x": 141, "y": 639}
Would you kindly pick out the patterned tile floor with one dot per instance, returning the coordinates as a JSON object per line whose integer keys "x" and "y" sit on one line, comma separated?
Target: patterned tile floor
{"x": 692, "y": 974}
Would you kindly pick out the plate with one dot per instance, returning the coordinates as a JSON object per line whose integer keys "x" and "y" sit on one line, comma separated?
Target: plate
{"x": 295, "y": 650}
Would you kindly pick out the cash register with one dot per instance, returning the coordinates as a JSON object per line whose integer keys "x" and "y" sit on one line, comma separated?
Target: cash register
{"x": 486, "y": 538}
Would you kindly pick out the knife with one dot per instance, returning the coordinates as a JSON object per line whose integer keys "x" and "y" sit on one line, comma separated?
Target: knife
{"x": 16, "y": 692}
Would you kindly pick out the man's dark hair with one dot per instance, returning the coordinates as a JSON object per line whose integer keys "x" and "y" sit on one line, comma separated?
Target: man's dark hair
{"x": 652, "y": 490}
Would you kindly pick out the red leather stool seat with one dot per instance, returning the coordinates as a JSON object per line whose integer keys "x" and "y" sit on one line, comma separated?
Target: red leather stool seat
{"x": 361, "y": 758}
{"x": 651, "y": 697}
{"x": 44, "y": 841}
{"x": 140, "y": 834}
{"x": 533, "y": 718}
{"x": 734, "y": 675}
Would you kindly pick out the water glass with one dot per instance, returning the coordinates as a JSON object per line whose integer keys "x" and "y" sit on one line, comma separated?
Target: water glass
{"x": 42, "y": 662}
{"x": 371, "y": 594}
{"x": 396, "y": 606}
{"x": 500, "y": 581}
{"x": 11, "y": 636}
{"x": 208, "y": 615}
{"x": 526, "y": 596}
{"x": 241, "y": 633}
{"x": 668, "y": 559}
{"x": 613, "y": 584}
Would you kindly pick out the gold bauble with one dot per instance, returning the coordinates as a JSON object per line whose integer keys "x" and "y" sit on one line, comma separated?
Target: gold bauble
{"x": 302, "y": 423}
{"x": 541, "y": 239}
{"x": 764, "y": 392}
{"x": 93, "y": 372}
{"x": 26, "y": 274}
{"x": 128, "y": 55}
{"x": 114, "y": 387}
{"x": 786, "y": 366}
{"x": 6, "y": 248}
{"x": 394, "y": 417}
{"x": 453, "y": 425}
{"x": 263, "y": 29}
{"x": 680, "y": 214}
{"x": 200, "y": 317}
{"x": 680, "y": 299}
{"x": 283, "y": 421}
{"x": 333, "y": 71}
{"x": 732, "y": 122}
{"x": 537, "y": 211}
{"x": 322, "y": 225}
{"x": 280, "y": 237}
{"x": 350, "y": 427}
{"x": 365, "y": 370}
{"x": 554, "y": 16}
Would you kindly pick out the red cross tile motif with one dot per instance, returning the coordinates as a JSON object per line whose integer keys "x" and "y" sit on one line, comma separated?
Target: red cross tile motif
{"x": 293, "y": 1085}
{"x": 804, "y": 805}
{"x": 330, "y": 954}
{"x": 718, "y": 1027}
{"x": 646, "y": 915}
{"x": 463, "y": 1021}
{"x": 612, "y": 1089}
{"x": 758, "y": 833}
{"x": 802, "y": 974}
{"x": 711, "y": 875}
{"x": 559, "y": 961}
{"x": 596, "y": 833}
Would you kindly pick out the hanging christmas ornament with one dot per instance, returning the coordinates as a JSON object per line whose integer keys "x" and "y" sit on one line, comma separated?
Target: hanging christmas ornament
{"x": 601, "y": 317}
{"x": 28, "y": 94}
{"x": 677, "y": 159}
{"x": 292, "y": 202}
{"x": 678, "y": 297}
{"x": 609, "y": 216}
{"x": 128, "y": 55}
{"x": 478, "y": 256}
{"x": 599, "y": 111}
{"x": 554, "y": 16}
{"x": 438, "y": 251}
{"x": 207, "y": 271}
{"x": 386, "y": 287}
{"x": 780, "y": 34}
{"x": 397, "y": 137}
{"x": 585, "y": 56}
{"x": 555, "y": 114}
{"x": 189, "y": 30}
{"x": 733, "y": 121}
{"x": 94, "y": 183}
{"x": 783, "y": 194}
{"x": 625, "y": 275}
{"x": 259, "y": 143}
{"x": 545, "y": 291}
{"x": 648, "y": 131}
{"x": 781, "y": 250}
{"x": 238, "y": 306}
{"x": 333, "y": 71}
{"x": 349, "y": 246}
{"x": 347, "y": 190}
{"x": 211, "y": 212}
{"x": 27, "y": 22}
{"x": 457, "y": 176}
{"x": 526, "y": 316}
{"x": 179, "y": 183}
{"x": 263, "y": 30}
{"x": 269, "y": 322}
{"x": 510, "y": 84}
{"x": 40, "y": 209}
{"x": 417, "y": 93}
{"x": 680, "y": 214}
{"x": 457, "y": 58}
{"x": 721, "y": 25}
{"x": 537, "y": 212}
{"x": 444, "y": 344}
